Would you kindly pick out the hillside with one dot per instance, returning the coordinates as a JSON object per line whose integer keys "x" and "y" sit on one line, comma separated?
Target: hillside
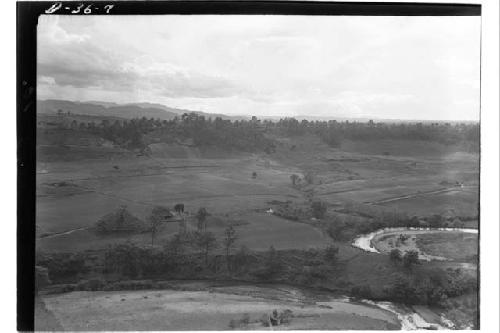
{"x": 133, "y": 110}
{"x": 123, "y": 111}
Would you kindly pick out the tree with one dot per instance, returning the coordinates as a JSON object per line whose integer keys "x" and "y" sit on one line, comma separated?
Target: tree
{"x": 228, "y": 241}
{"x": 123, "y": 258}
{"x": 402, "y": 290}
{"x": 395, "y": 255}
{"x": 362, "y": 291}
{"x": 154, "y": 222}
{"x": 436, "y": 221}
{"x": 403, "y": 238}
{"x": 179, "y": 208}
{"x": 273, "y": 265}
{"x": 207, "y": 242}
{"x": 331, "y": 254}
{"x": 175, "y": 245}
{"x": 201, "y": 216}
{"x": 242, "y": 257}
{"x": 294, "y": 179}
{"x": 410, "y": 258}
{"x": 158, "y": 216}
{"x": 318, "y": 209}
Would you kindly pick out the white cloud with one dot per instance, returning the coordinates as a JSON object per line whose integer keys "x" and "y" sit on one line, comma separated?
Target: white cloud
{"x": 385, "y": 67}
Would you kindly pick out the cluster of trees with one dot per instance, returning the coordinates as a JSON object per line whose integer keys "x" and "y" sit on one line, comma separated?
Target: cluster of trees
{"x": 346, "y": 227}
{"x": 138, "y": 132}
{"x": 333, "y": 132}
{"x": 432, "y": 289}
{"x": 62, "y": 267}
{"x": 189, "y": 255}
{"x": 250, "y": 135}
{"x": 183, "y": 249}
{"x": 408, "y": 259}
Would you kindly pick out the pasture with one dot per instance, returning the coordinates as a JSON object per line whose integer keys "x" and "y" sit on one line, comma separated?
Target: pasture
{"x": 208, "y": 310}
{"x": 462, "y": 247}
{"x": 74, "y": 195}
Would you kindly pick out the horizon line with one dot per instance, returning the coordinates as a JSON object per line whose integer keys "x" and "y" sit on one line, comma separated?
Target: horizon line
{"x": 324, "y": 118}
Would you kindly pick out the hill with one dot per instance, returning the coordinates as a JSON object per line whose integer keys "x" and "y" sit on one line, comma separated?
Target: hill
{"x": 132, "y": 110}
{"x": 124, "y": 111}
{"x": 182, "y": 111}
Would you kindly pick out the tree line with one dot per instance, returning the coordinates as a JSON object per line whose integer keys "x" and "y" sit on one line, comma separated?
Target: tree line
{"x": 256, "y": 135}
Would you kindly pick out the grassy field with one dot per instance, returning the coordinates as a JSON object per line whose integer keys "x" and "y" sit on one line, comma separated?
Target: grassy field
{"x": 208, "y": 310}
{"x": 78, "y": 185}
{"x": 455, "y": 246}
{"x": 75, "y": 195}
{"x": 440, "y": 245}
{"x": 256, "y": 231}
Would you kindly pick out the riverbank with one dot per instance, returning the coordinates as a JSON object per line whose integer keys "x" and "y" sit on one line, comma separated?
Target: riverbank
{"x": 387, "y": 239}
{"x": 211, "y": 306}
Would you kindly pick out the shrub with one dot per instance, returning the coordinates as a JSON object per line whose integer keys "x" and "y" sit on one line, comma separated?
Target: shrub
{"x": 318, "y": 209}
{"x": 91, "y": 285}
{"x": 410, "y": 258}
{"x": 63, "y": 266}
{"x": 286, "y": 316}
{"x": 331, "y": 254}
{"x": 272, "y": 265}
{"x": 362, "y": 291}
{"x": 395, "y": 255}
{"x": 242, "y": 258}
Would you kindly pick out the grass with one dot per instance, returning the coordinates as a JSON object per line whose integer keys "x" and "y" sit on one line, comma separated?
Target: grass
{"x": 201, "y": 309}
{"x": 257, "y": 231}
{"x": 456, "y": 203}
{"x": 456, "y": 246}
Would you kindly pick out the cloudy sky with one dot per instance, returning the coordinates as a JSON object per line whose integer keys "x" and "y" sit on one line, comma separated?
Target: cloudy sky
{"x": 345, "y": 66}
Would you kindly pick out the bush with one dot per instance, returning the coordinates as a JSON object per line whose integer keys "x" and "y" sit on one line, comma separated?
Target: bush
{"x": 242, "y": 258}
{"x": 286, "y": 316}
{"x": 63, "y": 267}
{"x": 272, "y": 266}
{"x": 320, "y": 272}
{"x": 362, "y": 291}
{"x": 331, "y": 254}
{"x": 410, "y": 258}
{"x": 91, "y": 285}
{"x": 395, "y": 255}
{"x": 318, "y": 209}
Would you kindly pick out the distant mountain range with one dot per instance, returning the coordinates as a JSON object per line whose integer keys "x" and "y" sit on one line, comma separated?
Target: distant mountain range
{"x": 133, "y": 110}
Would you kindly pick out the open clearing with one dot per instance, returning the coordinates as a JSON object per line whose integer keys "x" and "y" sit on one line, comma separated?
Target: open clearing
{"x": 455, "y": 246}
{"x": 431, "y": 244}
{"x": 258, "y": 231}
{"x": 207, "y": 310}
{"x": 72, "y": 196}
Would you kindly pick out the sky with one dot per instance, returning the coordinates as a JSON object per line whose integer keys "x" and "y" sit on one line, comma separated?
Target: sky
{"x": 267, "y": 65}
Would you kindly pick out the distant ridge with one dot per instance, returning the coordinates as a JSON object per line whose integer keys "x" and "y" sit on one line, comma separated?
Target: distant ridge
{"x": 155, "y": 110}
{"x": 128, "y": 111}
